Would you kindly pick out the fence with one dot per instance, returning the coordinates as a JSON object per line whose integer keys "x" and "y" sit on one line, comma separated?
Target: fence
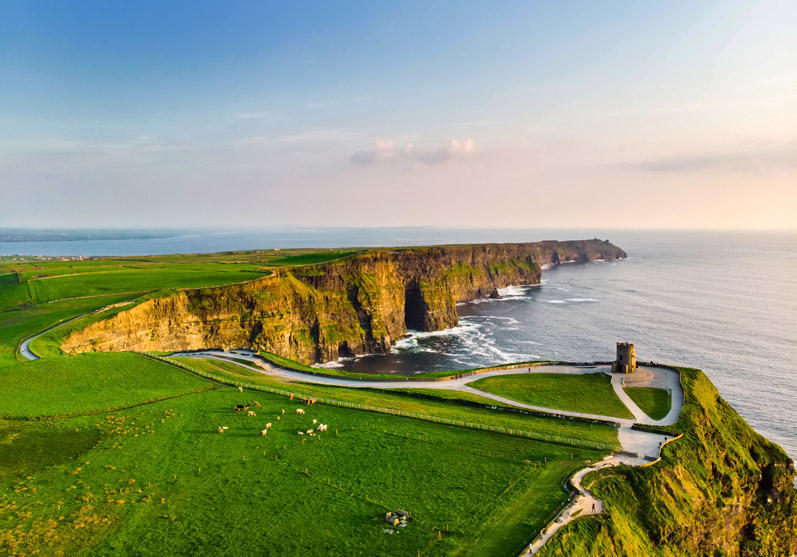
{"x": 393, "y": 411}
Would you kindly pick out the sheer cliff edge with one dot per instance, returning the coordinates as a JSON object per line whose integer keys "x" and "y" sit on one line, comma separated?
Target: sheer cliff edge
{"x": 358, "y": 305}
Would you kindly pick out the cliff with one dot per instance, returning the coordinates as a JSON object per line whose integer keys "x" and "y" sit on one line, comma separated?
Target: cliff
{"x": 722, "y": 489}
{"x": 358, "y": 305}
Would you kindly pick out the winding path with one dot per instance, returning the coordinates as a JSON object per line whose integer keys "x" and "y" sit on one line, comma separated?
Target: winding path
{"x": 638, "y": 447}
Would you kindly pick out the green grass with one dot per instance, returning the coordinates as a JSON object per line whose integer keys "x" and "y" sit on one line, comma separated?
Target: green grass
{"x": 89, "y": 382}
{"x": 17, "y": 325}
{"x": 721, "y": 489}
{"x": 590, "y": 393}
{"x": 12, "y": 292}
{"x": 134, "y": 280}
{"x": 151, "y": 480}
{"x": 653, "y": 402}
{"x": 395, "y": 399}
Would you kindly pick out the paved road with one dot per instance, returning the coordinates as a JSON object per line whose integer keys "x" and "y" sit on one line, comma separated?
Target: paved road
{"x": 24, "y": 346}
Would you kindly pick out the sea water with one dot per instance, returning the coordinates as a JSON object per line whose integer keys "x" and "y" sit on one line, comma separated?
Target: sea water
{"x": 724, "y": 302}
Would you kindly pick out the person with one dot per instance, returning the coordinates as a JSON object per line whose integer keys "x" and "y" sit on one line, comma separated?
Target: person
{"x": 593, "y": 506}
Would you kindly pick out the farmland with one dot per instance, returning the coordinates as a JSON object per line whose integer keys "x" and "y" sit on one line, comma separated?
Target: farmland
{"x": 109, "y": 453}
{"x": 151, "y": 478}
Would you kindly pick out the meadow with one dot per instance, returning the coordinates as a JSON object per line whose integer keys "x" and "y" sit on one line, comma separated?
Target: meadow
{"x": 444, "y": 405}
{"x": 653, "y": 402}
{"x": 153, "y": 478}
{"x": 590, "y": 393}
{"x": 109, "y": 453}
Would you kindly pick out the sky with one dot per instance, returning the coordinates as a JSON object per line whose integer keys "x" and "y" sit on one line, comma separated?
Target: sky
{"x": 465, "y": 114}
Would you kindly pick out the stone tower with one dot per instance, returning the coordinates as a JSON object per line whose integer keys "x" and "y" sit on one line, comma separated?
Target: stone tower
{"x": 626, "y": 358}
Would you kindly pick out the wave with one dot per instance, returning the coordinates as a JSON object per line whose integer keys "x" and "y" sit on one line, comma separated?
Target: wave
{"x": 582, "y": 300}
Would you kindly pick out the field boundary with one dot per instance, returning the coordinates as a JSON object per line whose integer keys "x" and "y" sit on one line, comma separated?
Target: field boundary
{"x": 393, "y": 412}
{"x": 105, "y": 410}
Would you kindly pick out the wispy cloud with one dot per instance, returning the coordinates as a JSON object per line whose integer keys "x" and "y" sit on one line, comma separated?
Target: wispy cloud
{"x": 729, "y": 160}
{"x": 390, "y": 152}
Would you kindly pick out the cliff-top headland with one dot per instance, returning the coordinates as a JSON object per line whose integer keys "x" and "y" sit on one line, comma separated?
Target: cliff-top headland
{"x": 361, "y": 304}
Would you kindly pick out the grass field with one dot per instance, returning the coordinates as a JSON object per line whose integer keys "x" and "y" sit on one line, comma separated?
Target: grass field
{"x": 591, "y": 393}
{"x": 653, "y": 402}
{"x": 397, "y": 400}
{"x": 89, "y": 382}
{"x": 32, "y": 280}
{"x": 152, "y": 478}
{"x": 19, "y": 324}
{"x": 109, "y": 453}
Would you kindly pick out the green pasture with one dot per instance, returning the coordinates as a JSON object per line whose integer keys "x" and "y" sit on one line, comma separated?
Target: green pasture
{"x": 151, "y": 478}
{"x": 19, "y": 324}
{"x": 590, "y": 393}
{"x": 89, "y": 382}
{"x": 453, "y": 408}
{"x": 653, "y": 402}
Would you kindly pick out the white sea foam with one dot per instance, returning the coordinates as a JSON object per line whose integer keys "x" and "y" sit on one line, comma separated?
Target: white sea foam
{"x": 582, "y": 300}
{"x": 555, "y": 302}
{"x": 330, "y": 365}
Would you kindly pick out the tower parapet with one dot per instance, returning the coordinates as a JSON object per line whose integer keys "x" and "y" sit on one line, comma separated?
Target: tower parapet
{"x": 626, "y": 358}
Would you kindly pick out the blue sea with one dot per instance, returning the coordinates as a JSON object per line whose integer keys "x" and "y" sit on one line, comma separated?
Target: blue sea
{"x": 725, "y": 302}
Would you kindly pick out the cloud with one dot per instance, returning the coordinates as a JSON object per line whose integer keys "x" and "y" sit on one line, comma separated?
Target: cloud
{"x": 731, "y": 160}
{"x": 389, "y": 152}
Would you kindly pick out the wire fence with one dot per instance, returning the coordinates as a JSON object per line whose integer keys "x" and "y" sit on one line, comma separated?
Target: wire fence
{"x": 562, "y": 440}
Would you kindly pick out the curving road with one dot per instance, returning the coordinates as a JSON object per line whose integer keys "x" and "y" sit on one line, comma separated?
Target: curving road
{"x": 24, "y": 346}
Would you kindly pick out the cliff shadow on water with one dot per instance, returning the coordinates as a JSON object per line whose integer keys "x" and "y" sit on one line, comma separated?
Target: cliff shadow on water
{"x": 348, "y": 307}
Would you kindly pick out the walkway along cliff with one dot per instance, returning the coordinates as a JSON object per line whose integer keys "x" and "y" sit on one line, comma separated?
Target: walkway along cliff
{"x": 358, "y": 305}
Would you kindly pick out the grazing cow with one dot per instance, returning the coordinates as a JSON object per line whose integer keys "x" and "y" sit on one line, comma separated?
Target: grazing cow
{"x": 257, "y": 404}
{"x": 240, "y": 407}
{"x": 278, "y": 417}
{"x": 263, "y": 432}
{"x": 221, "y": 429}
{"x": 321, "y": 427}
{"x": 283, "y": 410}
{"x": 300, "y": 432}
{"x": 240, "y": 389}
{"x": 300, "y": 411}
{"x": 310, "y": 431}
{"x": 314, "y": 421}
{"x": 250, "y": 413}
{"x": 268, "y": 425}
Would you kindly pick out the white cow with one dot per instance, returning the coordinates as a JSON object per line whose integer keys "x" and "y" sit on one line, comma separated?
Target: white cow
{"x": 300, "y": 410}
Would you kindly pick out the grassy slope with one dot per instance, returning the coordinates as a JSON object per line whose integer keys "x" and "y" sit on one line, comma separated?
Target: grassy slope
{"x": 152, "y": 479}
{"x": 397, "y": 400}
{"x": 722, "y": 489}
{"x": 17, "y": 325}
{"x": 653, "y": 402}
{"x": 74, "y": 384}
{"x": 591, "y": 393}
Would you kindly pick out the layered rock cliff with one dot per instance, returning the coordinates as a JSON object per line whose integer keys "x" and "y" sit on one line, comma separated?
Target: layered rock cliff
{"x": 358, "y": 305}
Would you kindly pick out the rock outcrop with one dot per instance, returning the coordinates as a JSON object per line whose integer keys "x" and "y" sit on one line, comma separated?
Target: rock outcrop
{"x": 358, "y": 305}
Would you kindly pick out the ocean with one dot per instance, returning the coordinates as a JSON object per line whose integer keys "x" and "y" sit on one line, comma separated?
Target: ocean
{"x": 725, "y": 302}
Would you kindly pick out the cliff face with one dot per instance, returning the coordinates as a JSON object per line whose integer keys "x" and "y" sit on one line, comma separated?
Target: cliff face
{"x": 358, "y": 305}
{"x": 722, "y": 489}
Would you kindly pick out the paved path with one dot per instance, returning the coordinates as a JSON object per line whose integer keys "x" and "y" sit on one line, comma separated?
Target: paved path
{"x": 638, "y": 447}
{"x": 24, "y": 346}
